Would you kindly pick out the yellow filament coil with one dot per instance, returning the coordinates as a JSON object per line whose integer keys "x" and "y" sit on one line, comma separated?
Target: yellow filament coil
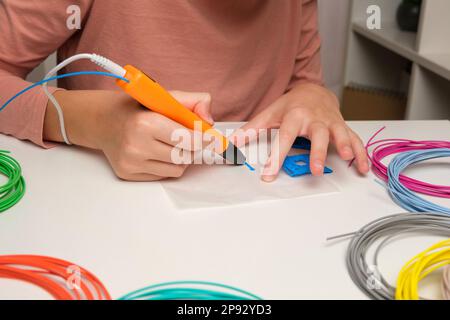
{"x": 415, "y": 270}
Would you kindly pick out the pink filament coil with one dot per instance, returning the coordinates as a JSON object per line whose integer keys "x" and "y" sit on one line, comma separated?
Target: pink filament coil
{"x": 385, "y": 147}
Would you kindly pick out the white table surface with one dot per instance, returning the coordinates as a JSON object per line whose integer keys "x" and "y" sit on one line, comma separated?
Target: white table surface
{"x": 131, "y": 236}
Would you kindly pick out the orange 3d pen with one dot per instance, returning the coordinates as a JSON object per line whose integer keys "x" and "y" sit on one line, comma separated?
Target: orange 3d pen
{"x": 148, "y": 93}
{"x": 153, "y": 96}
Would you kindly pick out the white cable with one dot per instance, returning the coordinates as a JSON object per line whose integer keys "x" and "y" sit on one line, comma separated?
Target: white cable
{"x": 97, "y": 59}
{"x": 52, "y": 98}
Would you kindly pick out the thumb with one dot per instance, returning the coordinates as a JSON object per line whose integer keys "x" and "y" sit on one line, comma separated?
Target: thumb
{"x": 198, "y": 102}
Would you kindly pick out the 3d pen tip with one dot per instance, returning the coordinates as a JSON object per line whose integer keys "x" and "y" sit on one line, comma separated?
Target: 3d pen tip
{"x": 233, "y": 155}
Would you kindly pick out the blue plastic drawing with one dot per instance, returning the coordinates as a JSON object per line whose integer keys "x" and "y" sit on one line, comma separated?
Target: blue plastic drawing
{"x": 249, "y": 166}
{"x": 298, "y": 165}
{"x": 302, "y": 143}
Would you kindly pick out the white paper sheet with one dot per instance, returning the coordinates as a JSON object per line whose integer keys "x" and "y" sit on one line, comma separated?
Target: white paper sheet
{"x": 206, "y": 186}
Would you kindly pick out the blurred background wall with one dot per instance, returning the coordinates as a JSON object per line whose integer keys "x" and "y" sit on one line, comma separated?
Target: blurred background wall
{"x": 333, "y": 20}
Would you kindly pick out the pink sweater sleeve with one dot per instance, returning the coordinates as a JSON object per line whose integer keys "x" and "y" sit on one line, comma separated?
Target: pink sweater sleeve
{"x": 308, "y": 67}
{"x": 30, "y": 31}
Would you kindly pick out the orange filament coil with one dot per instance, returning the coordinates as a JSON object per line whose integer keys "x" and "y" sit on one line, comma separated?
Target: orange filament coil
{"x": 62, "y": 279}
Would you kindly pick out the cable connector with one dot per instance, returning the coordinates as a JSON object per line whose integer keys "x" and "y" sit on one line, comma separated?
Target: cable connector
{"x": 108, "y": 65}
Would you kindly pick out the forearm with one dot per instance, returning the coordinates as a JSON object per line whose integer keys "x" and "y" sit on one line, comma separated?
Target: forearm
{"x": 81, "y": 110}
{"x": 91, "y": 117}
{"x": 23, "y": 117}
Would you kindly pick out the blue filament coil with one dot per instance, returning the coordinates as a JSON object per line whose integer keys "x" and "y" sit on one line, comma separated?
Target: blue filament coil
{"x": 402, "y": 195}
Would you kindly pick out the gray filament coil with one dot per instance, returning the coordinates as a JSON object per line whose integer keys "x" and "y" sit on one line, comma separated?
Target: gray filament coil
{"x": 366, "y": 276}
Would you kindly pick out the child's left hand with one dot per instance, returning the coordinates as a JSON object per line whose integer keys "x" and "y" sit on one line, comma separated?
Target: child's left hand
{"x": 312, "y": 111}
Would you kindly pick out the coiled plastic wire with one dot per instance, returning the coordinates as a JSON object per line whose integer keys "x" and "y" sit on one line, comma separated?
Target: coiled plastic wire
{"x": 190, "y": 290}
{"x": 14, "y": 189}
{"x": 62, "y": 279}
{"x": 386, "y": 147}
{"x": 416, "y": 269}
{"x": 400, "y": 193}
{"x": 365, "y": 274}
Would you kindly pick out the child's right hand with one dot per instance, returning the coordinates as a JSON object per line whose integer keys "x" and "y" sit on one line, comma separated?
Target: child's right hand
{"x": 137, "y": 142}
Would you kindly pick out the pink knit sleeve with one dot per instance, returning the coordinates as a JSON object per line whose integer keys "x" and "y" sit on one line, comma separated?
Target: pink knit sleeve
{"x": 30, "y": 31}
{"x": 308, "y": 66}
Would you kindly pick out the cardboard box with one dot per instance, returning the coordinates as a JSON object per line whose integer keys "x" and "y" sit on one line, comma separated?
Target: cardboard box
{"x": 364, "y": 103}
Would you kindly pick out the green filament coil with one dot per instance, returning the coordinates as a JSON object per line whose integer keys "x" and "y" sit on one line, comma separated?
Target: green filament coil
{"x": 14, "y": 189}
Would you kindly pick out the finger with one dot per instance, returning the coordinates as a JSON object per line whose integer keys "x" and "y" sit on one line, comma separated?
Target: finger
{"x": 266, "y": 119}
{"x": 270, "y": 117}
{"x": 261, "y": 121}
{"x": 241, "y": 137}
{"x": 162, "y": 169}
{"x": 198, "y": 102}
{"x": 166, "y": 153}
{"x": 172, "y": 133}
{"x": 250, "y": 131}
{"x": 360, "y": 153}
{"x": 142, "y": 177}
{"x": 281, "y": 146}
{"x": 320, "y": 137}
{"x": 342, "y": 141}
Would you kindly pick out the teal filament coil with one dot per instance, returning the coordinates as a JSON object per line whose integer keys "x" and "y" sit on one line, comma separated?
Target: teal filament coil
{"x": 14, "y": 189}
{"x": 190, "y": 290}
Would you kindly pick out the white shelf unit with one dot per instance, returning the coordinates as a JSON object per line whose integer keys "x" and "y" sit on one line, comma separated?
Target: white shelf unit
{"x": 379, "y": 58}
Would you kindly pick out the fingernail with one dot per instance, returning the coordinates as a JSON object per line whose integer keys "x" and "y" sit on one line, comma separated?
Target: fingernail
{"x": 268, "y": 174}
{"x": 365, "y": 167}
{"x": 268, "y": 178}
{"x": 318, "y": 165}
